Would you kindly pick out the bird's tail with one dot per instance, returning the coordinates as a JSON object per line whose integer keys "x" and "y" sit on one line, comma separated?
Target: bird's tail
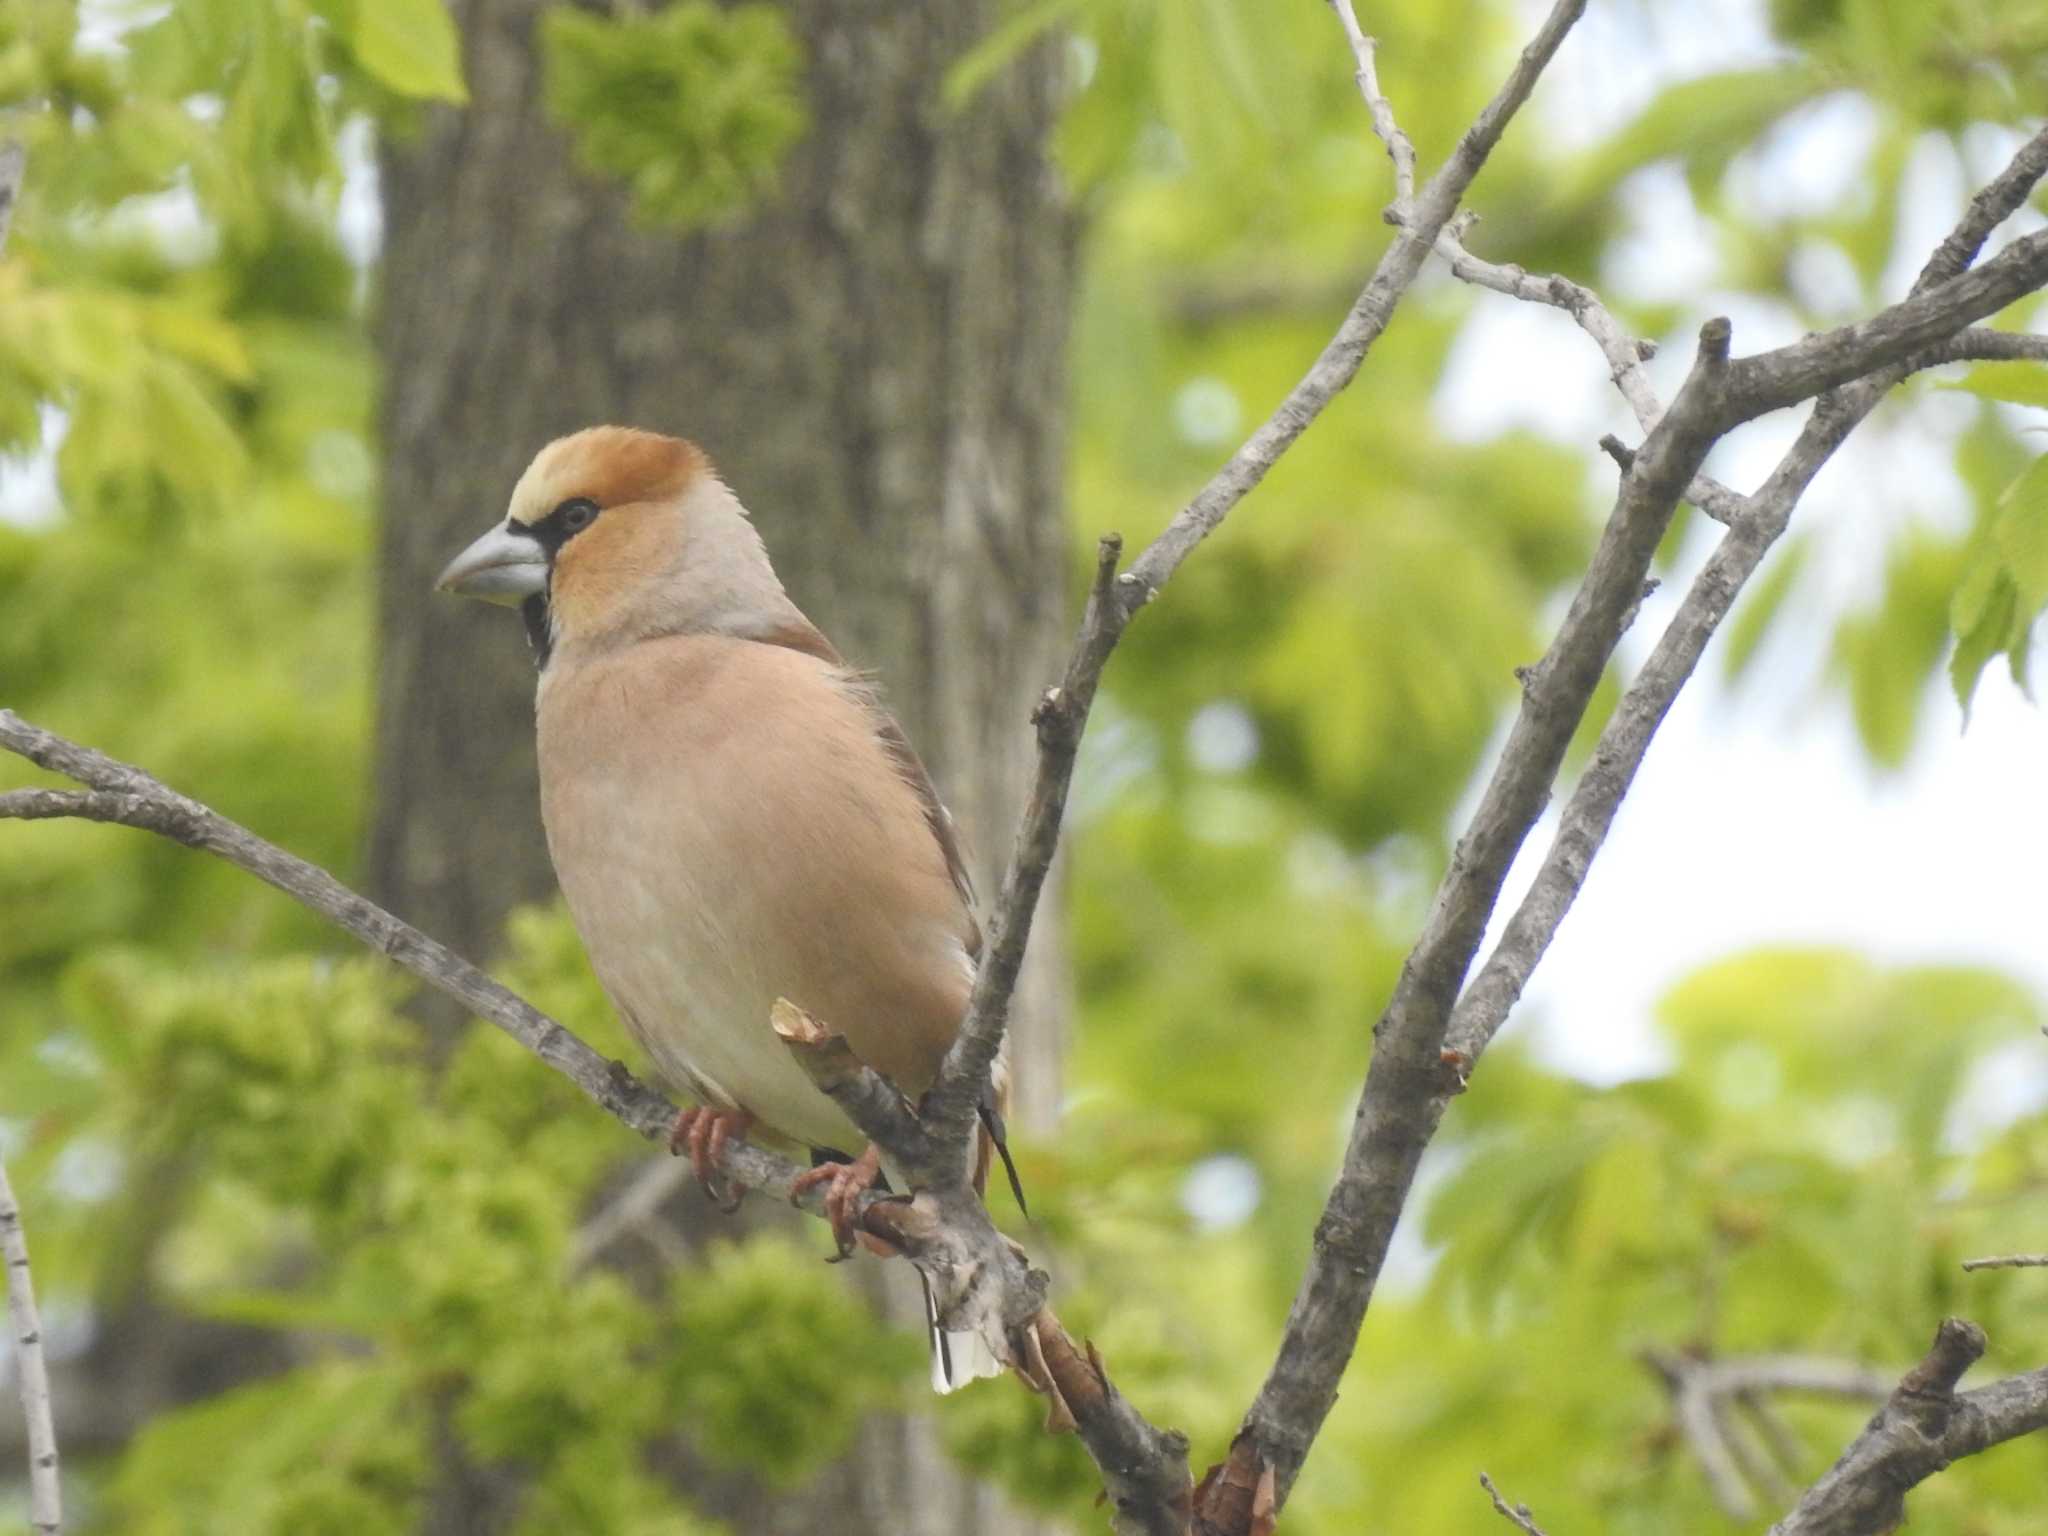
{"x": 961, "y": 1356}
{"x": 958, "y": 1357}
{"x": 995, "y": 1142}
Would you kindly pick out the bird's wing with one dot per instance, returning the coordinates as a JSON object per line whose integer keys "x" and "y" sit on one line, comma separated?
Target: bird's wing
{"x": 811, "y": 641}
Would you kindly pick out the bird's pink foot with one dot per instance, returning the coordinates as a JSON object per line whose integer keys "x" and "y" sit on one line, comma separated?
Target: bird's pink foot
{"x": 703, "y": 1133}
{"x": 845, "y": 1183}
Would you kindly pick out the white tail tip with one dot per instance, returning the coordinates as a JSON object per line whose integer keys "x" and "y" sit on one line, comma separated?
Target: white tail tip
{"x": 957, "y": 1357}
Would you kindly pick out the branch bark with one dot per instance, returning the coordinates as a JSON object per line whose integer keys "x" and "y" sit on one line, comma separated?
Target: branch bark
{"x": 1923, "y": 1426}
{"x": 45, "y": 1494}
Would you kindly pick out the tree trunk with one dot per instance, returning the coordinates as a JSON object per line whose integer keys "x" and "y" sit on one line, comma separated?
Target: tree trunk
{"x": 874, "y": 360}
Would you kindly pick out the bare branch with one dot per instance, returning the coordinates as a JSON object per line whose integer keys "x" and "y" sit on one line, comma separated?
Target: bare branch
{"x": 2000, "y": 199}
{"x": 1769, "y": 381}
{"x": 1149, "y": 1488}
{"x": 45, "y": 1495}
{"x": 1399, "y": 149}
{"x": 1923, "y": 1426}
{"x": 1758, "y": 523}
{"x": 2009, "y": 1261}
{"x": 1411, "y": 1078}
{"x": 1417, "y": 1063}
{"x": 869, "y": 1099}
{"x": 1625, "y": 354}
{"x": 1706, "y": 1394}
{"x": 1807, "y": 1375}
{"x": 1778, "y": 1437}
{"x": 1753, "y": 1441}
{"x": 1694, "y": 1408}
{"x": 1060, "y": 718}
{"x": 1980, "y": 344}
{"x": 1517, "y": 1515}
{"x": 1339, "y": 361}
{"x": 130, "y": 797}
{"x": 979, "y": 1279}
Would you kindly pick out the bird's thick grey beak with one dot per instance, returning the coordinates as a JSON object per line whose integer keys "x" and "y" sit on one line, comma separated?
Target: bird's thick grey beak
{"x": 501, "y": 567}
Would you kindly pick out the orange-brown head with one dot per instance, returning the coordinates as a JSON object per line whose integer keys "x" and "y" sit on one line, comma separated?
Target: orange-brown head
{"x": 615, "y": 534}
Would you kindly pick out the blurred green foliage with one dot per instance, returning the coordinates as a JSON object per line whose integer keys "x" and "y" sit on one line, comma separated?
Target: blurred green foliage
{"x": 206, "y": 1099}
{"x": 693, "y": 105}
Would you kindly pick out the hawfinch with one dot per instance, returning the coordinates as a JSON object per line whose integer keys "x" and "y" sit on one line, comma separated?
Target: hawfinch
{"x": 732, "y": 814}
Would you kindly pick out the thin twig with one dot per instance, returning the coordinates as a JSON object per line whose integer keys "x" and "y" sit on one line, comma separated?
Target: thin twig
{"x": 1399, "y": 149}
{"x": 1515, "y": 1514}
{"x": 1779, "y": 1438}
{"x": 2009, "y": 1261}
{"x": 1705, "y": 1395}
{"x": 1694, "y": 1410}
{"x": 1757, "y": 1437}
{"x": 45, "y": 1495}
{"x": 1625, "y": 354}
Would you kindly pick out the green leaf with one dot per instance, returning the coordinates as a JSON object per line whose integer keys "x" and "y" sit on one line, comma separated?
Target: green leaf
{"x": 693, "y": 107}
{"x": 2014, "y": 383}
{"x": 1984, "y": 639}
{"x": 2004, "y": 587}
{"x": 410, "y": 46}
{"x": 2021, "y": 534}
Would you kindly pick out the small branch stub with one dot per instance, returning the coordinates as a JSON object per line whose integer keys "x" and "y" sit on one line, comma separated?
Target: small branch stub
{"x": 1958, "y": 1345}
{"x": 797, "y": 1028}
{"x": 873, "y": 1103}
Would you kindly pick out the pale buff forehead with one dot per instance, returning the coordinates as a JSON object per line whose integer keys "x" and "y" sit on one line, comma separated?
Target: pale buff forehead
{"x": 611, "y": 466}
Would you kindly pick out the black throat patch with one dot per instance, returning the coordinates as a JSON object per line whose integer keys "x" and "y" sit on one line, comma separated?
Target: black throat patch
{"x": 535, "y": 612}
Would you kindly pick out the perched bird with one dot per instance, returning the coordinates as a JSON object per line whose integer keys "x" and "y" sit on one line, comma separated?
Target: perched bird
{"x": 732, "y": 814}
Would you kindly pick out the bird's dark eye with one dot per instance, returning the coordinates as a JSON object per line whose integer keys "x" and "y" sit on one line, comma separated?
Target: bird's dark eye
{"x": 576, "y": 515}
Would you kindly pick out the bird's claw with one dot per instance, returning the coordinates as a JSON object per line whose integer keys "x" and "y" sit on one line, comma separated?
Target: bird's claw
{"x": 844, "y": 1184}
{"x": 703, "y": 1132}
